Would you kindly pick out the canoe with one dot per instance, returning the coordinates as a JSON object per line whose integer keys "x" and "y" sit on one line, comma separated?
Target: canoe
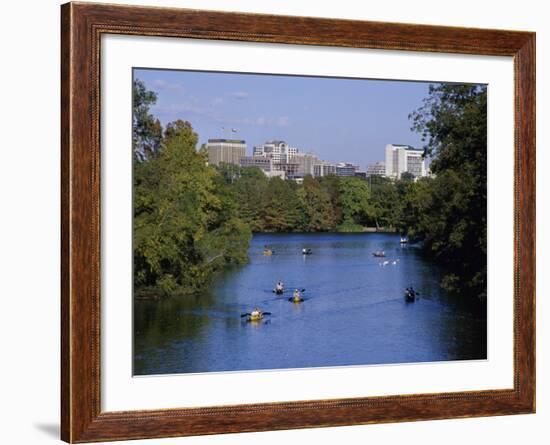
{"x": 295, "y": 299}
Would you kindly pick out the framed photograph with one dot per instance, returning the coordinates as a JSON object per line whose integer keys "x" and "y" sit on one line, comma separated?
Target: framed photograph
{"x": 274, "y": 222}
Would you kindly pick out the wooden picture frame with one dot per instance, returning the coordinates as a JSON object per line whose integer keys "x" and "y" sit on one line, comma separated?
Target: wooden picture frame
{"x": 82, "y": 26}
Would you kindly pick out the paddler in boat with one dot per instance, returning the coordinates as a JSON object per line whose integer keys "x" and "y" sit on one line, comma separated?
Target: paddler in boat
{"x": 279, "y": 287}
{"x": 296, "y": 296}
{"x": 256, "y": 314}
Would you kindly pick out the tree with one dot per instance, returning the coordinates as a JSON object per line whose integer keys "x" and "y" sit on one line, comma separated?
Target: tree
{"x": 453, "y": 224}
{"x": 316, "y": 204}
{"x": 249, "y": 191}
{"x": 186, "y": 224}
{"x": 384, "y": 202}
{"x": 281, "y": 211}
{"x": 356, "y": 209}
{"x": 146, "y": 130}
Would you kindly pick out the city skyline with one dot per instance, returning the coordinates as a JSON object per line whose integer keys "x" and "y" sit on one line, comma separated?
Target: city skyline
{"x": 364, "y": 115}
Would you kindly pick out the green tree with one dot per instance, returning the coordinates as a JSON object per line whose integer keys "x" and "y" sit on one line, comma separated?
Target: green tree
{"x": 186, "y": 224}
{"x": 355, "y": 200}
{"x": 146, "y": 130}
{"x": 453, "y": 123}
{"x": 331, "y": 185}
{"x": 316, "y": 205}
{"x": 384, "y": 203}
{"x": 249, "y": 191}
{"x": 281, "y": 210}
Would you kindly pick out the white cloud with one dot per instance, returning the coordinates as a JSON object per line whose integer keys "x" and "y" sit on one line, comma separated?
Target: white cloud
{"x": 163, "y": 85}
{"x": 283, "y": 121}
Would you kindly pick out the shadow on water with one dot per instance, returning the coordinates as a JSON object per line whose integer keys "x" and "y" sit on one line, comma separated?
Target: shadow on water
{"x": 353, "y": 311}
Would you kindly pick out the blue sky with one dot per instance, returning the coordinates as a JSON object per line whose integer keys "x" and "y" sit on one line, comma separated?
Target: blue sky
{"x": 341, "y": 120}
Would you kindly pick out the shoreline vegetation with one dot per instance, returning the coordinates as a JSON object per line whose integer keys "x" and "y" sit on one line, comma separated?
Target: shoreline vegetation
{"x": 192, "y": 220}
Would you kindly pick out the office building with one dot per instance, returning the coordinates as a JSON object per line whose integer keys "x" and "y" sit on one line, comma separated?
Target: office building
{"x": 404, "y": 158}
{"x": 279, "y": 151}
{"x": 324, "y": 169}
{"x": 265, "y": 164}
{"x": 376, "y": 169}
{"x": 346, "y": 169}
{"x": 225, "y": 151}
{"x": 291, "y": 169}
{"x": 306, "y": 163}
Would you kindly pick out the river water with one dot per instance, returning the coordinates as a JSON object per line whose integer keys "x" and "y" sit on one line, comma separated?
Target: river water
{"x": 354, "y": 312}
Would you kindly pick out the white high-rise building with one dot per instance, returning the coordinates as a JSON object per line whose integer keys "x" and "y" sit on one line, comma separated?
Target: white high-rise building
{"x": 404, "y": 158}
{"x": 279, "y": 151}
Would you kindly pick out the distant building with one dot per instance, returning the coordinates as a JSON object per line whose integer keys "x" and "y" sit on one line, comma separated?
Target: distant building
{"x": 324, "y": 169}
{"x": 404, "y": 158}
{"x": 306, "y": 163}
{"x": 360, "y": 175}
{"x": 265, "y": 164}
{"x": 291, "y": 169}
{"x": 346, "y": 169}
{"x": 377, "y": 169}
{"x": 276, "y": 174}
{"x": 228, "y": 151}
{"x": 279, "y": 151}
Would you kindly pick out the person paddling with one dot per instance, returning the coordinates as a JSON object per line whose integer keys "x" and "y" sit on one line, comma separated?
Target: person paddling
{"x": 256, "y": 314}
{"x": 296, "y": 296}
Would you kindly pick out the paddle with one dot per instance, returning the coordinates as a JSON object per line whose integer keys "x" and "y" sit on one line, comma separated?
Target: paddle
{"x": 248, "y": 314}
{"x": 287, "y": 290}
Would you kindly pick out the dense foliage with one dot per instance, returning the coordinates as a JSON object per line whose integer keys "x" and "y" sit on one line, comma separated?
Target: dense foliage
{"x": 186, "y": 223}
{"x": 317, "y": 205}
{"x": 146, "y": 130}
{"x": 449, "y": 213}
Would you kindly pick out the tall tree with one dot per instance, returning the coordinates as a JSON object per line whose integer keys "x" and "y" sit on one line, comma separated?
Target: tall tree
{"x": 147, "y": 130}
{"x": 281, "y": 211}
{"x": 355, "y": 199}
{"x": 453, "y": 123}
{"x": 249, "y": 191}
{"x": 186, "y": 225}
{"x": 384, "y": 202}
{"x": 315, "y": 201}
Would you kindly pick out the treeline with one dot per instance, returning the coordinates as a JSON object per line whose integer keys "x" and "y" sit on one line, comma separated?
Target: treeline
{"x": 327, "y": 204}
{"x": 191, "y": 219}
